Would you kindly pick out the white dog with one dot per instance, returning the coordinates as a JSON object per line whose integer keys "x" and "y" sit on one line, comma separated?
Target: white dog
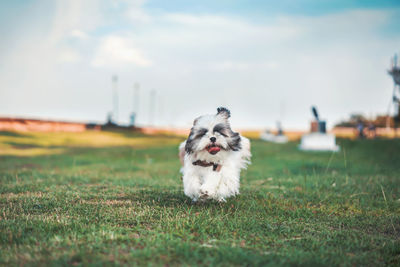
{"x": 212, "y": 158}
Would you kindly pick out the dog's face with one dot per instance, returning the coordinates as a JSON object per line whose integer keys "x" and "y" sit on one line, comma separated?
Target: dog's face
{"x": 212, "y": 133}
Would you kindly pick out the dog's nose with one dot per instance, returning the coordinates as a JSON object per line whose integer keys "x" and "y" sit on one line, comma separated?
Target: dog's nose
{"x": 213, "y": 139}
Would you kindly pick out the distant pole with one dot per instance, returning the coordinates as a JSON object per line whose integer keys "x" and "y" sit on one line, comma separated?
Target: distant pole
{"x": 152, "y": 107}
{"x": 135, "y": 103}
{"x": 395, "y": 73}
{"x": 115, "y": 98}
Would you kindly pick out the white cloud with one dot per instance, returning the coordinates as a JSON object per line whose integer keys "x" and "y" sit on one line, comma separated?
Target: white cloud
{"x": 68, "y": 55}
{"x": 75, "y": 17}
{"x": 79, "y": 34}
{"x": 117, "y": 51}
{"x": 138, "y": 15}
{"x": 228, "y": 65}
{"x": 133, "y": 11}
{"x": 202, "y": 20}
{"x": 214, "y": 29}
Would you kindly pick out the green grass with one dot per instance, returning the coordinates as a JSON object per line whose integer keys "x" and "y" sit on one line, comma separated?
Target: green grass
{"x": 114, "y": 198}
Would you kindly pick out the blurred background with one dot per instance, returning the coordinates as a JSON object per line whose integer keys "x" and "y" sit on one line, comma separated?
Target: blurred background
{"x": 163, "y": 63}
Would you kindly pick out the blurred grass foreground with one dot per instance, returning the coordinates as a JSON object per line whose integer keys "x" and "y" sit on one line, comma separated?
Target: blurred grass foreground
{"x": 116, "y": 198}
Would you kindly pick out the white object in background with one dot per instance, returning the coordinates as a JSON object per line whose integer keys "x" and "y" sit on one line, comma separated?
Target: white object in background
{"x": 267, "y": 136}
{"x": 319, "y": 142}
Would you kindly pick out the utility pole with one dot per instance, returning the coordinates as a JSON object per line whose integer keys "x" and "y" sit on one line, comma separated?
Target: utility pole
{"x": 395, "y": 73}
{"x": 135, "y": 108}
{"x": 115, "y": 98}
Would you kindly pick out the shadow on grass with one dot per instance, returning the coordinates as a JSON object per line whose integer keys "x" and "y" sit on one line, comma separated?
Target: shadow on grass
{"x": 171, "y": 197}
{"x": 12, "y": 134}
{"x": 26, "y": 146}
{"x": 158, "y": 197}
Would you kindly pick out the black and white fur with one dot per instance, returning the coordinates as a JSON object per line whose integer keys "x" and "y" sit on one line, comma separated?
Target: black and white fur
{"x": 201, "y": 183}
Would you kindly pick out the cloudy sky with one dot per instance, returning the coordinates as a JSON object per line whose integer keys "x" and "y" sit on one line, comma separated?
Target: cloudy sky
{"x": 264, "y": 60}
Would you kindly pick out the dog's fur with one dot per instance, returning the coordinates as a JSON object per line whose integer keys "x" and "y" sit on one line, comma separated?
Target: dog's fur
{"x": 211, "y": 170}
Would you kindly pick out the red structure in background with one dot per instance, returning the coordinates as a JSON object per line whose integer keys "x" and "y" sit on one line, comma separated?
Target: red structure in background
{"x": 32, "y": 125}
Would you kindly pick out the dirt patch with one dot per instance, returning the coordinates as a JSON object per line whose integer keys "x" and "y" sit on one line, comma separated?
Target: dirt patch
{"x": 10, "y": 196}
{"x": 107, "y": 202}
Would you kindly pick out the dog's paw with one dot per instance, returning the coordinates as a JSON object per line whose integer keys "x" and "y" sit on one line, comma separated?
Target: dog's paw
{"x": 207, "y": 192}
{"x": 221, "y": 200}
{"x": 204, "y": 194}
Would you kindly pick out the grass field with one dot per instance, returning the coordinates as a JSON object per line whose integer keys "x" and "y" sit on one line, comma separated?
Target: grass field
{"x": 116, "y": 198}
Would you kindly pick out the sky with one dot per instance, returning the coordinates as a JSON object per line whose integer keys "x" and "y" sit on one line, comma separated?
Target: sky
{"x": 264, "y": 60}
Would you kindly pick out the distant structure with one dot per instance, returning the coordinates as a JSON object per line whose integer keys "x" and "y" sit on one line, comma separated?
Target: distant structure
{"x": 115, "y": 99}
{"x": 394, "y": 71}
{"x": 318, "y": 139}
{"x": 279, "y": 138}
{"x": 109, "y": 119}
{"x": 135, "y": 108}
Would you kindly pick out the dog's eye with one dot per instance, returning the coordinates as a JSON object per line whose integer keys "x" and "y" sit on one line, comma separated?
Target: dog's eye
{"x": 220, "y": 128}
{"x": 221, "y": 133}
{"x": 201, "y": 133}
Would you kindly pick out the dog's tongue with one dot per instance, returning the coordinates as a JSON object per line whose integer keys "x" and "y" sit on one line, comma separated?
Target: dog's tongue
{"x": 214, "y": 150}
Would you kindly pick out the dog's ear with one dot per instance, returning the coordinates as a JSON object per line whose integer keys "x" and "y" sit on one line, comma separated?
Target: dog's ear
{"x": 195, "y": 121}
{"x": 223, "y": 112}
{"x": 190, "y": 142}
{"x": 235, "y": 142}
